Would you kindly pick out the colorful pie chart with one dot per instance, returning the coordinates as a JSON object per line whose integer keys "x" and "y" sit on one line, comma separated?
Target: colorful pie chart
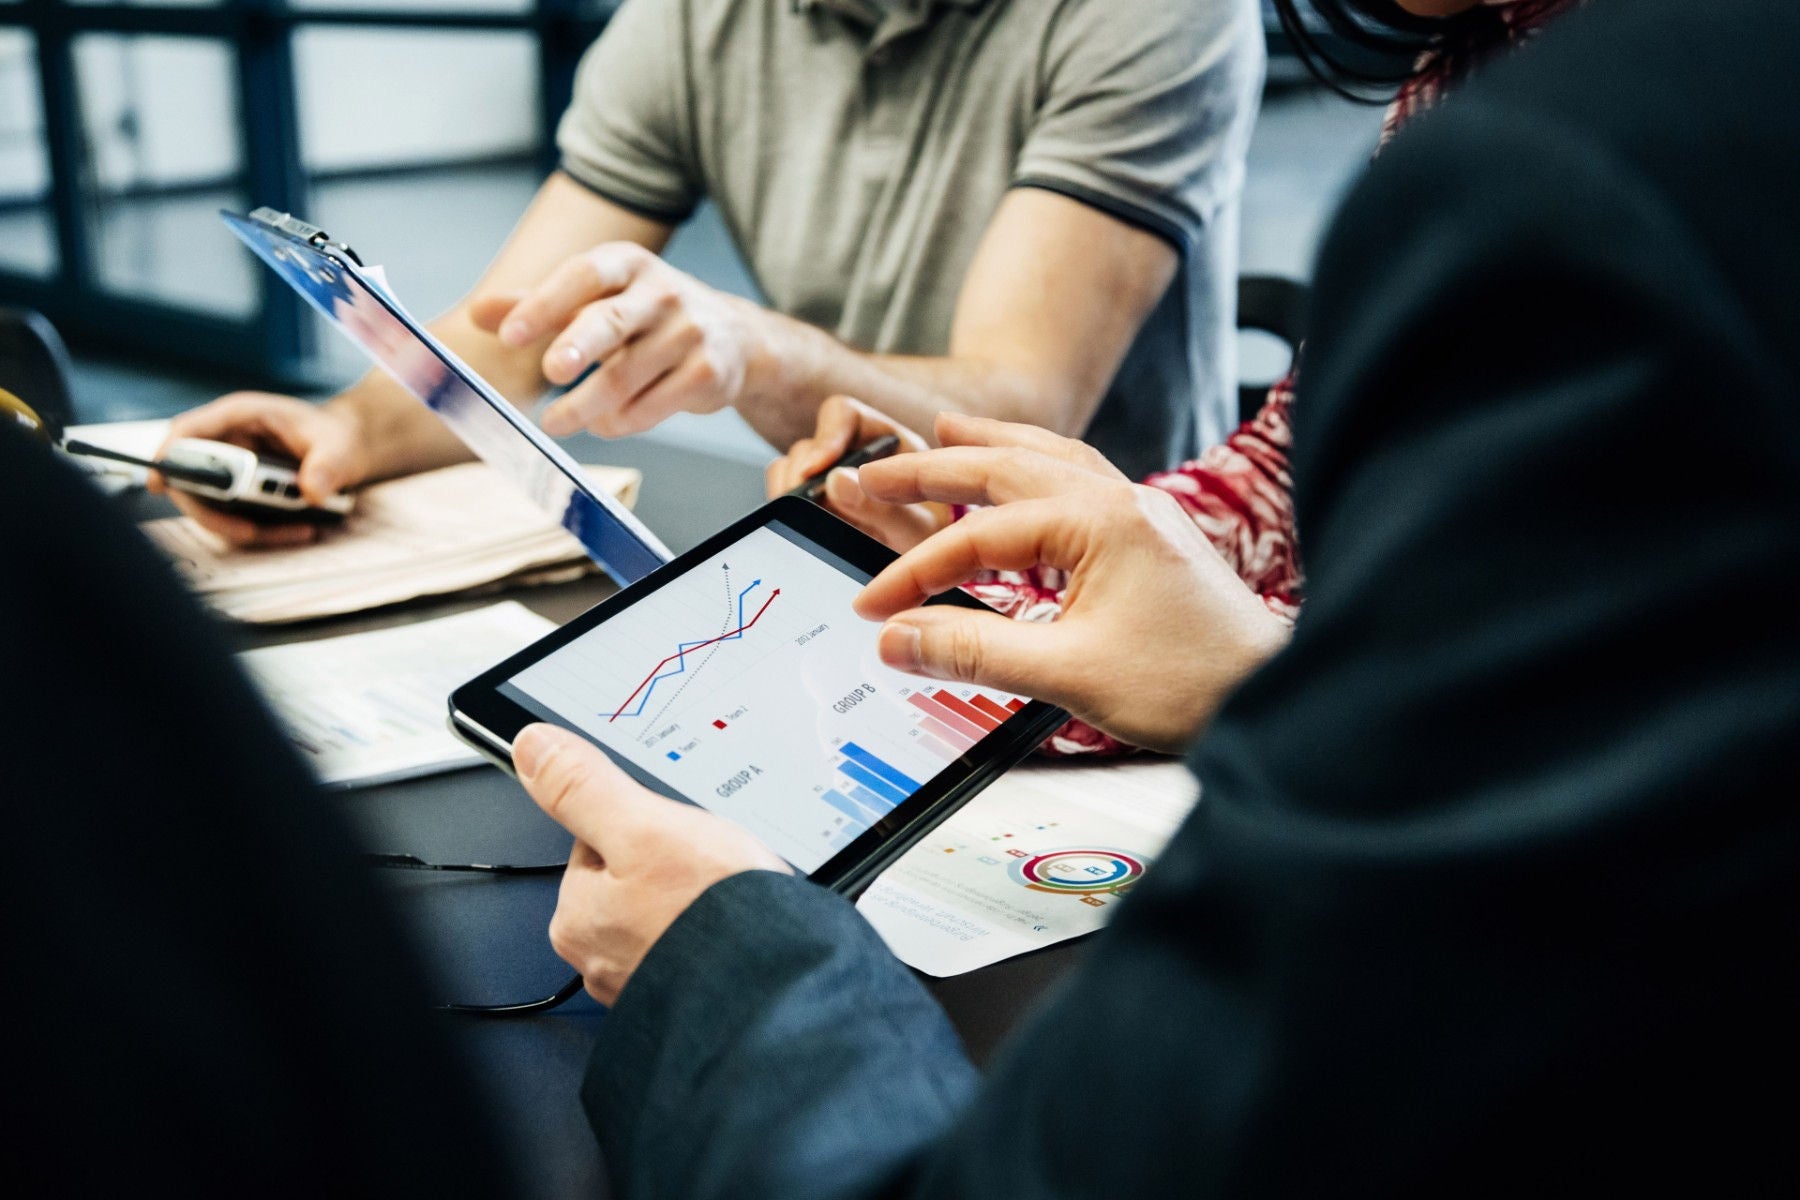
{"x": 1079, "y": 871}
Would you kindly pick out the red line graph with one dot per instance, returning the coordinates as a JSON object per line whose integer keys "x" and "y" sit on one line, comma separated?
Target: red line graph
{"x": 657, "y": 669}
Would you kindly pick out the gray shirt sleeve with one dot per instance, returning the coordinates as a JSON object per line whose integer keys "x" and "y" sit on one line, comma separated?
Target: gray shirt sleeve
{"x": 627, "y": 132}
{"x": 1145, "y": 109}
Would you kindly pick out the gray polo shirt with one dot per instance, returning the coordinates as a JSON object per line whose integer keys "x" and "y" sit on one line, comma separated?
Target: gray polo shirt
{"x": 858, "y": 150}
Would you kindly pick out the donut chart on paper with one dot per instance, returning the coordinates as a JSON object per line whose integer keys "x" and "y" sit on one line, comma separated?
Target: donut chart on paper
{"x": 1079, "y": 871}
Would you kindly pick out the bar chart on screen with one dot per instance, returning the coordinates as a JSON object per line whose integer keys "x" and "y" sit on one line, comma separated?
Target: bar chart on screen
{"x": 749, "y": 686}
{"x": 949, "y": 724}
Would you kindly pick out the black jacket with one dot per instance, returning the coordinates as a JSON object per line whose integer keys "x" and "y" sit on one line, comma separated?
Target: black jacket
{"x": 201, "y": 993}
{"x": 1495, "y": 887}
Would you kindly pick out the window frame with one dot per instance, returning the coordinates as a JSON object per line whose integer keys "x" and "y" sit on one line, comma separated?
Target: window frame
{"x": 273, "y": 345}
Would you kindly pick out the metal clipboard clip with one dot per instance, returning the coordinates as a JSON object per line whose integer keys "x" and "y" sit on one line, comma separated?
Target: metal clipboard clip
{"x": 301, "y": 231}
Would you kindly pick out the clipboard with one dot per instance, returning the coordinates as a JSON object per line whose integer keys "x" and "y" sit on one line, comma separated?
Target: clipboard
{"x": 356, "y": 300}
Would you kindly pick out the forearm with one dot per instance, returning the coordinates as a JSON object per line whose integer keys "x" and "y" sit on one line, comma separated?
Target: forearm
{"x": 800, "y": 366}
{"x": 402, "y": 434}
{"x": 564, "y": 218}
{"x": 1047, "y": 311}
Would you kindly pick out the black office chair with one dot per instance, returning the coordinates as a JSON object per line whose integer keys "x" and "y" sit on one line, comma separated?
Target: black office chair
{"x": 1275, "y": 306}
{"x": 34, "y": 366}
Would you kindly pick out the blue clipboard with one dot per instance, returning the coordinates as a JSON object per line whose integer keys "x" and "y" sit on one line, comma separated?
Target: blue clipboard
{"x": 357, "y": 302}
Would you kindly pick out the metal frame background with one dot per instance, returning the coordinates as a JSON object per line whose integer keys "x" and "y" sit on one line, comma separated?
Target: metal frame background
{"x": 273, "y": 344}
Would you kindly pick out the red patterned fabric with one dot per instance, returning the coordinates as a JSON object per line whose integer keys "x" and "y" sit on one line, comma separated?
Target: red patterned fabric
{"x": 1239, "y": 491}
{"x": 1438, "y": 70}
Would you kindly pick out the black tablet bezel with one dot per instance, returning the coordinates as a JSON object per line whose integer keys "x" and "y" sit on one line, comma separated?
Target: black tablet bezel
{"x": 489, "y": 720}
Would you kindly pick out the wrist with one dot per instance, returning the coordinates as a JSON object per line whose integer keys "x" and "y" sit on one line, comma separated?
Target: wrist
{"x": 1263, "y": 637}
{"x": 781, "y": 393}
{"x": 394, "y": 433}
{"x": 768, "y": 355}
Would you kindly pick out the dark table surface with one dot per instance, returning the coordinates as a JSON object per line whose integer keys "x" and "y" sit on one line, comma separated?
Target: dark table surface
{"x": 485, "y": 937}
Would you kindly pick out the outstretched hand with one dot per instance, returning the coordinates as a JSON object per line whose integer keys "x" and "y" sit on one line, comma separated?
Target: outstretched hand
{"x": 638, "y": 862}
{"x": 1156, "y": 629}
{"x": 659, "y": 341}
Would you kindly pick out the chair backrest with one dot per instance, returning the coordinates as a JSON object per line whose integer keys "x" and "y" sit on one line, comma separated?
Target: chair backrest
{"x": 1275, "y": 306}
{"x": 34, "y": 366}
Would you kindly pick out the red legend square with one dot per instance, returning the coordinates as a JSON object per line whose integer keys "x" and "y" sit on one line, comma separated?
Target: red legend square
{"x": 718, "y": 724}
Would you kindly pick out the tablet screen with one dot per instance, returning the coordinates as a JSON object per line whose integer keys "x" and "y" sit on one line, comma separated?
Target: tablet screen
{"x": 748, "y": 686}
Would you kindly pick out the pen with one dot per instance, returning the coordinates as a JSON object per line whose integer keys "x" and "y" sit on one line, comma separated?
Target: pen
{"x": 814, "y": 486}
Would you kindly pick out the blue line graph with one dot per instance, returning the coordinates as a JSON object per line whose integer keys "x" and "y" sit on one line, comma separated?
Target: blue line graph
{"x": 681, "y": 652}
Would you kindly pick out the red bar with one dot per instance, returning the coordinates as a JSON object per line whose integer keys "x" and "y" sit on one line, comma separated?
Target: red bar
{"x": 935, "y": 727}
{"x": 971, "y": 732}
{"x": 1015, "y": 704}
{"x": 989, "y": 707}
{"x": 967, "y": 712}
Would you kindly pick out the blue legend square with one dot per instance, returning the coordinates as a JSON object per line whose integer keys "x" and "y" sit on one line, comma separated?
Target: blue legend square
{"x": 674, "y": 757}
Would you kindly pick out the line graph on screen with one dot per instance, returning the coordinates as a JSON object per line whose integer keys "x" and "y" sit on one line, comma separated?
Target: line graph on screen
{"x": 677, "y": 663}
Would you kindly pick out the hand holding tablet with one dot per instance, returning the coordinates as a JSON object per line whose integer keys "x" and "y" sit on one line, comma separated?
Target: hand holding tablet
{"x": 639, "y": 860}
{"x": 739, "y": 679}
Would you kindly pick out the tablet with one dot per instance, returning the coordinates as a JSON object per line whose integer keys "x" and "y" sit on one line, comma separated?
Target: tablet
{"x": 737, "y": 678}
{"x": 357, "y": 302}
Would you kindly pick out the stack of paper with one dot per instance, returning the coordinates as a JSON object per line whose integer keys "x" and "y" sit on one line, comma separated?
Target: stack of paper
{"x": 425, "y": 535}
{"x": 369, "y": 707}
{"x": 1043, "y": 855}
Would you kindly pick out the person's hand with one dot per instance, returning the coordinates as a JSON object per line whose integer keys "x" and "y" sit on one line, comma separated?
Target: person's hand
{"x": 1155, "y": 630}
{"x": 843, "y": 425}
{"x": 639, "y": 858}
{"x": 326, "y": 441}
{"x": 664, "y": 342}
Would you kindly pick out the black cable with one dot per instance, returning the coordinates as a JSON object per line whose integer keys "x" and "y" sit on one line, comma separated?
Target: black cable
{"x": 412, "y": 862}
{"x": 522, "y": 1008}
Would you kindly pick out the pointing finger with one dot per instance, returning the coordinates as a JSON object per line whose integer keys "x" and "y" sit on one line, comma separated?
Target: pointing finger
{"x": 489, "y": 312}
{"x": 601, "y": 272}
{"x": 974, "y": 475}
{"x": 961, "y": 429}
{"x": 605, "y": 326}
{"x": 973, "y": 646}
{"x": 1014, "y": 538}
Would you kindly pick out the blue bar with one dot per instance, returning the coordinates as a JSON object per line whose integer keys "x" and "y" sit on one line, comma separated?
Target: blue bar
{"x": 844, "y": 805}
{"x": 892, "y": 774}
{"x": 870, "y": 800}
{"x": 874, "y": 783}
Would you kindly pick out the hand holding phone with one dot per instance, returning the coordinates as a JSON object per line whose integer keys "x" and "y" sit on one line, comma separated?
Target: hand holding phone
{"x": 230, "y": 477}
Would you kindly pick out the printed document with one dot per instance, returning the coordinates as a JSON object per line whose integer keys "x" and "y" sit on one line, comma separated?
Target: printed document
{"x": 369, "y": 707}
{"x": 431, "y": 534}
{"x": 1043, "y": 855}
